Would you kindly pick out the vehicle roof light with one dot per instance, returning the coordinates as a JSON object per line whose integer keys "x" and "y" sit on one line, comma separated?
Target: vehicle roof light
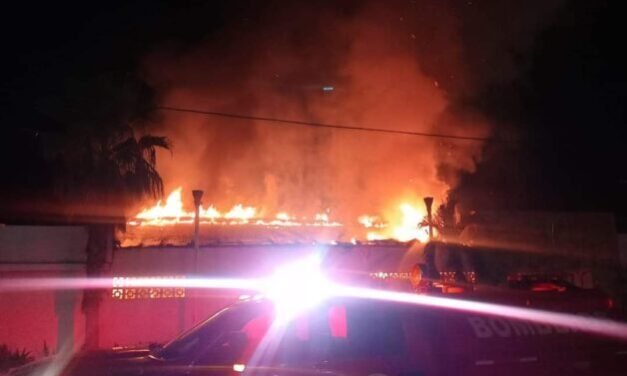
{"x": 238, "y": 367}
{"x": 415, "y": 276}
{"x": 296, "y": 287}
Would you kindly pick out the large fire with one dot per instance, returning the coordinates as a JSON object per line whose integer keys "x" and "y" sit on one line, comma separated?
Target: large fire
{"x": 172, "y": 211}
{"x": 405, "y": 224}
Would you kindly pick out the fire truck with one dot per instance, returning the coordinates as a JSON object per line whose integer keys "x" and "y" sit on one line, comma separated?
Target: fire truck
{"x": 351, "y": 336}
{"x": 445, "y": 269}
{"x": 362, "y": 334}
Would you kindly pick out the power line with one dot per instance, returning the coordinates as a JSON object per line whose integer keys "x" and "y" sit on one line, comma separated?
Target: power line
{"x": 322, "y": 125}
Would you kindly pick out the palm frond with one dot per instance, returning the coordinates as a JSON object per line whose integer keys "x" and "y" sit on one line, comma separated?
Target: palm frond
{"x": 150, "y": 142}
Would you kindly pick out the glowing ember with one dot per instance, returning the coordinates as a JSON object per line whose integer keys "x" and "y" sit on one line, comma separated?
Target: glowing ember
{"x": 371, "y": 221}
{"x": 367, "y": 220}
{"x": 242, "y": 213}
{"x": 210, "y": 213}
{"x": 373, "y": 236}
{"x": 322, "y": 217}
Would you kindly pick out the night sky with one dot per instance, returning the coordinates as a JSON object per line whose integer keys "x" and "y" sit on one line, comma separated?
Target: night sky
{"x": 557, "y": 120}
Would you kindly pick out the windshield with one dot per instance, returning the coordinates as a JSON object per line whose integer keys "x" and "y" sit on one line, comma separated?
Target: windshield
{"x": 342, "y": 330}
{"x": 333, "y": 329}
{"x": 248, "y": 318}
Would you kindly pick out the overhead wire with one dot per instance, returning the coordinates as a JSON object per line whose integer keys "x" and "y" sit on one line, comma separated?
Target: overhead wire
{"x": 287, "y": 122}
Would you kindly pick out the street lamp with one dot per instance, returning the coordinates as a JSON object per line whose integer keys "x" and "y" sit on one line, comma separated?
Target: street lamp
{"x": 429, "y": 204}
{"x": 197, "y": 193}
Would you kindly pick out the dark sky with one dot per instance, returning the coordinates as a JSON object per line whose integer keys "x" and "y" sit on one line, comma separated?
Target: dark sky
{"x": 564, "y": 106}
{"x": 569, "y": 105}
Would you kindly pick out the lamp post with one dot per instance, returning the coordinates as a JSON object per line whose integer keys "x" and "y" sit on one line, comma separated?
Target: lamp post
{"x": 429, "y": 204}
{"x": 197, "y": 193}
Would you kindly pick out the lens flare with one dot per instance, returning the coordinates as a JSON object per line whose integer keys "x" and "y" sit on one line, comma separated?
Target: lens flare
{"x": 603, "y": 327}
{"x": 76, "y": 283}
{"x": 238, "y": 367}
{"x": 301, "y": 285}
{"x": 297, "y": 287}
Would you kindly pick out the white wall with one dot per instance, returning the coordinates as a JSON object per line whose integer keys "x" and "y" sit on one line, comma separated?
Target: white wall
{"x": 42, "y": 244}
{"x": 32, "y": 320}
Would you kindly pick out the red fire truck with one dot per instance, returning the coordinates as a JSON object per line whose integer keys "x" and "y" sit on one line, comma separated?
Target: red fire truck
{"x": 452, "y": 269}
{"x": 363, "y": 335}
{"x": 352, "y": 336}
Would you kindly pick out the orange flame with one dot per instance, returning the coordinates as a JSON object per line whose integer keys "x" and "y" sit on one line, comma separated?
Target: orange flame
{"x": 241, "y": 214}
{"x": 163, "y": 214}
{"x": 402, "y": 224}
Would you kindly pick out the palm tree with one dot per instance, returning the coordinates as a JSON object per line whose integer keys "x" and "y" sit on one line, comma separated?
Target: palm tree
{"x": 101, "y": 160}
{"x": 82, "y": 156}
{"x": 128, "y": 169}
{"x": 135, "y": 161}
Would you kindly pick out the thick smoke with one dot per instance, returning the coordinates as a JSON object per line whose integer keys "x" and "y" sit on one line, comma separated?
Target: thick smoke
{"x": 393, "y": 65}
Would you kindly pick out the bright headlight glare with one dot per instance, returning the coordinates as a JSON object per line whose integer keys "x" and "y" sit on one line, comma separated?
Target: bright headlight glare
{"x": 238, "y": 367}
{"x": 297, "y": 287}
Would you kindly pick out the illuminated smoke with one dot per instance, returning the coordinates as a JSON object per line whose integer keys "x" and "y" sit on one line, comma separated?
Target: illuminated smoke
{"x": 362, "y": 66}
{"x": 408, "y": 65}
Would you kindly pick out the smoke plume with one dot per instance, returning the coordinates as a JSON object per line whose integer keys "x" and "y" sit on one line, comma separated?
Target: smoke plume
{"x": 393, "y": 65}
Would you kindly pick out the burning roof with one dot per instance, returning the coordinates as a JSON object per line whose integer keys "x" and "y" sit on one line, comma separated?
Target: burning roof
{"x": 169, "y": 223}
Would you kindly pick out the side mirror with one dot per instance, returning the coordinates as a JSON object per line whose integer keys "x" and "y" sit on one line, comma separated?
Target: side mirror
{"x": 155, "y": 347}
